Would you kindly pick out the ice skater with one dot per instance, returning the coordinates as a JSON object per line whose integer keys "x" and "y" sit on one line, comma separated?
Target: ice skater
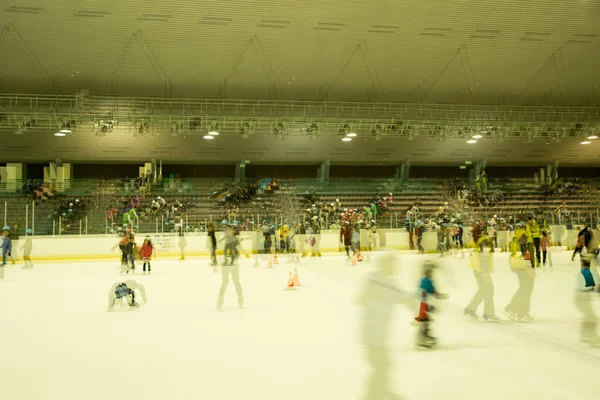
{"x": 346, "y": 238}
{"x": 130, "y": 249}
{"x": 26, "y": 249}
{"x": 125, "y": 291}
{"x": 377, "y": 300}
{"x": 230, "y": 245}
{"x": 147, "y": 252}
{"x": 428, "y": 290}
{"x": 519, "y": 307}
{"x": 6, "y": 245}
{"x": 586, "y": 266}
{"x": 212, "y": 242}
{"x": 482, "y": 265}
{"x": 226, "y": 271}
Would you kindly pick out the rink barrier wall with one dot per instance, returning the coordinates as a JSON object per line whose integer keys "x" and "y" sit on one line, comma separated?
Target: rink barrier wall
{"x": 170, "y": 245}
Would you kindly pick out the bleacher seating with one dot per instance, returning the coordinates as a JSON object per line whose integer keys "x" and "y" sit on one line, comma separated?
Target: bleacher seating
{"x": 522, "y": 197}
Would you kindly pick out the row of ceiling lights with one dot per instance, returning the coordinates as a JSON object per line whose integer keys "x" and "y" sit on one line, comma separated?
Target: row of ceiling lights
{"x": 589, "y": 139}
{"x": 65, "y": 129}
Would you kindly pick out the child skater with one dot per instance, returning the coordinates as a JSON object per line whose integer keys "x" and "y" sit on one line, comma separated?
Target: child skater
{"x": 130, "y": 248}
{"x": 125, "y": 290}
{"x": 147, "y": 252}
{"x": 6, "y": 245}
{"x": 544, "y": 244}
{"x": 427, "y": 289}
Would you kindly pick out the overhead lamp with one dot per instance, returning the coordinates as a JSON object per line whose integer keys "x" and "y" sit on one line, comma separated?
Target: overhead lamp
{"x": 586, "y": 142}
{"x": 478, "y": 136}
{"x": 351, "y": 134}
{"x": 60, "y": 134}
{"x": 471, "y": 141}
{"x": 347, "y": 139}
{"x": 594, "y": 136}
{"x": 208, "y": 137}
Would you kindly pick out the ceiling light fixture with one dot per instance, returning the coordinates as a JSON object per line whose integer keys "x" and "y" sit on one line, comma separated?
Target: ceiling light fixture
{"x": 594, "y": 136}
{"x": 478, "y": 136}
{"x": 347, "y": 139}
{"x": 471, "y": 141}
{"x": 586, "y": 142}
{"x": 351, "y": 135}
{"x": 60, "y": 134}
{"x": 214, "y": 129}
{"x": 208, "y": 137}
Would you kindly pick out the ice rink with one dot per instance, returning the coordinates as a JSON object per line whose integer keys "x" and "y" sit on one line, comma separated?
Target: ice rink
{"x": 57, "y": 340}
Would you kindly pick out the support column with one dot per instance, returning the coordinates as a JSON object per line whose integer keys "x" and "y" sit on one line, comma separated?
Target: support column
{"x": 323, "y": 172}
{"x": 240, "y": 171}
{"x": 13, "y": 176}
{"x": 50, "y": 175}
{"x": 154, "y": 170}
{"x": 406, "y": 170}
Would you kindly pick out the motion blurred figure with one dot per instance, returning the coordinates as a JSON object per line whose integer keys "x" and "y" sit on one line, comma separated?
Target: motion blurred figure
{"x": 125, "y": 291}
{"x": 519, "y": 307}
{"x": 483, "y": 267}
{"x": 377, "y": 299}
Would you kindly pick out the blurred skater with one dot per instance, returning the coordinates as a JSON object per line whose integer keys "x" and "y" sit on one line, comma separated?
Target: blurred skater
{"x": 6, "y": 245}
{"x": 482, "y": 265}
{"x": 378, "y": 298}
{"x": 212, "y": 242}
{"x": 586, "y": 265}
{"x": 519, "y": 307}
{"x": 426, "y": 308}
{"x": 125, "y": 291}
{"x": 233, "y": 271}
{"x": 26, "y": 249}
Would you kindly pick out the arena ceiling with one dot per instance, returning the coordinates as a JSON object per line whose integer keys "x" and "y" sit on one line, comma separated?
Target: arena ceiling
{"x": 438, "y": 51}
{"x": 514, "y": 52}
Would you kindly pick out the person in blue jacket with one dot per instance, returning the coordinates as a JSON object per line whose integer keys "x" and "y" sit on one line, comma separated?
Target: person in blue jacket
{"x": 6, "y": 245}
{"x": 427, "y": 290}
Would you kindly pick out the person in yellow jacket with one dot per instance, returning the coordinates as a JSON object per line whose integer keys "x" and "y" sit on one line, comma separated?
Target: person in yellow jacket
{"x": 483, "y": 267}
{"x": 532, "y": 230}
{"x": 520, "y": 305}
{"x": 283, "y": 237}
{"x": 519, "y": 243}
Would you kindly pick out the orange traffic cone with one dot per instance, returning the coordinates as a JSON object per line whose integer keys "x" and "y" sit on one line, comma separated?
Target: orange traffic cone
{"x": 354, "y": 259}
{"x": 275, "y": 261}
{"x": 290, "y": 282}
{"x": 359, "y": 257}
{"x": 296, "y": 279}
{"x": 527, "y": 255}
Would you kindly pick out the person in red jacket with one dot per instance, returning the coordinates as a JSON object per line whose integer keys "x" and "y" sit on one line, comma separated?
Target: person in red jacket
{"x": 147, "y": 252}
{"x": 346, "y": 237}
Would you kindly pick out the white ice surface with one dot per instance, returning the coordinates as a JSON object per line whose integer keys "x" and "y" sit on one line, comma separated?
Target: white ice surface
{"x": 57, "y": 340}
